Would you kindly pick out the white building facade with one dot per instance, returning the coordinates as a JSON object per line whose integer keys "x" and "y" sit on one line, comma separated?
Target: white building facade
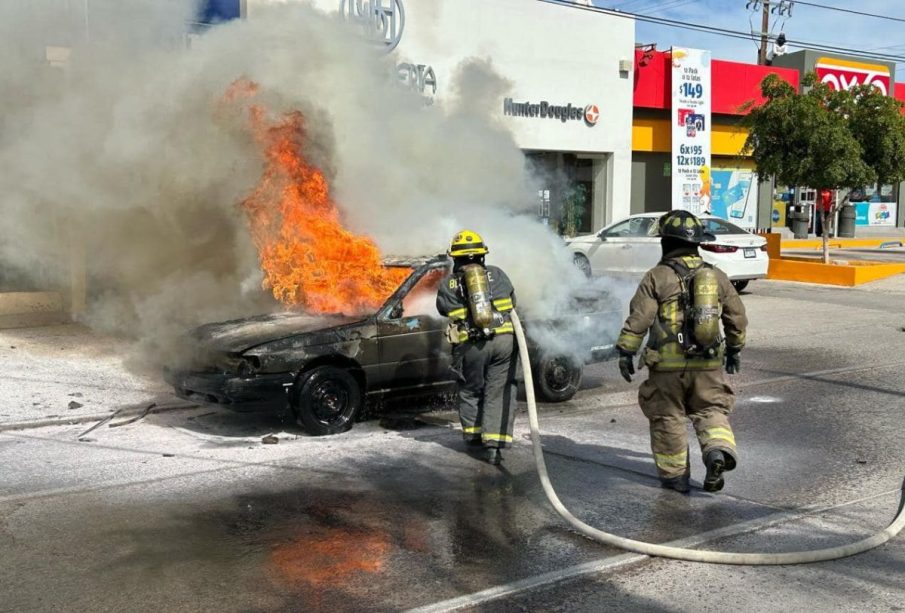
{"x": 570, "y": 104}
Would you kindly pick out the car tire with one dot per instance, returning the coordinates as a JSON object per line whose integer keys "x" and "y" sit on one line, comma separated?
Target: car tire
{"x": 740, "y": 285}
{"x": 583, "y": 264}
{"x": 325, "y": 400}
{"x": 556, "y": 377}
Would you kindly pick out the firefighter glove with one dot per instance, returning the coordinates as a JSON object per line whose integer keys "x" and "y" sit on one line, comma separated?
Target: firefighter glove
{"x": 733, "y": 361}
{"x": 626, "y": 366}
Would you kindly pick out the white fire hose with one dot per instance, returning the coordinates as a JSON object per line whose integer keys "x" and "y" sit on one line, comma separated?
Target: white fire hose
{"x": 678, "y": 553}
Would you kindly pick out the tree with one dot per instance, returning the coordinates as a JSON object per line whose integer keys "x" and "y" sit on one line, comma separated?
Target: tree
{"x": 826, "y": 139}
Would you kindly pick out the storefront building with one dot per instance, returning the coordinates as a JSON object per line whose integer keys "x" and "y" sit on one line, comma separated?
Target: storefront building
{"x": 876, "y": 207}
{"x": 736, "y": 192}
{"x": 569, "y": 106}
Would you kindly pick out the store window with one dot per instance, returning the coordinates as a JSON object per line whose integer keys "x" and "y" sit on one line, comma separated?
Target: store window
{"x": 565, "y": 190}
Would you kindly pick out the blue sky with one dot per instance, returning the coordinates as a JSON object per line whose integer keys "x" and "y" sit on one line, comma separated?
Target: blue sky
{"x": 807, "y": 23}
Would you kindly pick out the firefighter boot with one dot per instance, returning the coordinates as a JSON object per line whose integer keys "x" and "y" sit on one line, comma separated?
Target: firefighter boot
{"x": 679, "y": 484}
{"x": 493, "y": 456}
{"x": 716, "y": 464}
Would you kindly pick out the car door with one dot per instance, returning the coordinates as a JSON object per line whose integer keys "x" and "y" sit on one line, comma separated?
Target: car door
{"x": 412, "y": 345}
{"x": 644, "y": 252}
{"x": 621, "y": 246}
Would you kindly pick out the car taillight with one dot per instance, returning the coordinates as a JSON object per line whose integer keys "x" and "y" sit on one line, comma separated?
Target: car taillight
{"x": 763, "y": 247}
{"x": 719, "y": 248}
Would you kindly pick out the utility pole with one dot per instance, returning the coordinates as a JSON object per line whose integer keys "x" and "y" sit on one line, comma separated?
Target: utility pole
{"x": 764, "y": 30}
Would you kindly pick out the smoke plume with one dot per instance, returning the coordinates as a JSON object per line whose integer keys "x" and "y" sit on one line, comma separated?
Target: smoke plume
{"x": 113, "y": 135}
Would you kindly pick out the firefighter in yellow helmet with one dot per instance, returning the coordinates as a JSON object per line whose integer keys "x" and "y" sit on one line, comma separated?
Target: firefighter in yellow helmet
{"x": 477, "y": 299}
{"x": 680, "y": 303}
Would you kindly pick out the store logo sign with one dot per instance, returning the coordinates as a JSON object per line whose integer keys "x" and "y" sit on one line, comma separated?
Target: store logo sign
{"x": 418, "y": 77}
{"x": 843, "y": 74}
{"x": 589, "y": 113}
{"x": 382, "y": 20}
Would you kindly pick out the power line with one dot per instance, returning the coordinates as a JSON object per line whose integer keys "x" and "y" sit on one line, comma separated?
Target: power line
{"x": 849, "y": 11}
{"x": 695, "y": 27}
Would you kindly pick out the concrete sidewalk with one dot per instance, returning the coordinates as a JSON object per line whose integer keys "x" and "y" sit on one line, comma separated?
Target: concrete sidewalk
{"x": 70, "y": 373}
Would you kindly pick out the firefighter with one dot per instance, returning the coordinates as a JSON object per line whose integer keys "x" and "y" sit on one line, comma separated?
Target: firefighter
{"x": 681, "y": 302}
{"x": 477, "y": 299}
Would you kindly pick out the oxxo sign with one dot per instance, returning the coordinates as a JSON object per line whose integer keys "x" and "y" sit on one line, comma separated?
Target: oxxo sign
{"x": 844, "y": 74}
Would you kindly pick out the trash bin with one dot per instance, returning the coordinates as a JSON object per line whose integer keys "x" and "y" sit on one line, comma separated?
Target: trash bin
{"x": 846, "y": 222}
{"x": 800, "y": 217}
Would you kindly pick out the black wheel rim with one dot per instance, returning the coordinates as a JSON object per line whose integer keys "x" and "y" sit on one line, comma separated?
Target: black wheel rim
{"x": 330, "y": 402}
{"x": 558, "y": 374}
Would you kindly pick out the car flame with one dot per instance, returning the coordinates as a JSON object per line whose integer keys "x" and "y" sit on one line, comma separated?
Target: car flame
{"x": 309, "y": 259}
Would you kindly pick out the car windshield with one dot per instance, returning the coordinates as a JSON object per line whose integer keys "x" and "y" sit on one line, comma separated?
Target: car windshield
{"x": 719, "y": 226}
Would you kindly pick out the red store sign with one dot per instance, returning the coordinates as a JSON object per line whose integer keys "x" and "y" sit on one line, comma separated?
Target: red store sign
{"x": 845, "y": 74}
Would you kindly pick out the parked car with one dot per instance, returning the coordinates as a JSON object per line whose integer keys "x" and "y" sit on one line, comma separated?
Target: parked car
{"x": 325, "y": 368}
{"x": 631, "y": 246}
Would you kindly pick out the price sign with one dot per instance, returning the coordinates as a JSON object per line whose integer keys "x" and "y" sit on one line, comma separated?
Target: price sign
{"x": 691, "y": 171}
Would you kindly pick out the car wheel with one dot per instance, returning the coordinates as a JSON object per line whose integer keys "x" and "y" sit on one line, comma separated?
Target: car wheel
{"x": 556, "y": 377}
{"x": 582, "y": 263}
{"x": 325, "y": 400}
{"x": 740, "y": 285}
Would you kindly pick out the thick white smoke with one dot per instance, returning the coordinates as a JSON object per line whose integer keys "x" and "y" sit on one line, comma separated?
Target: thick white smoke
{"x": 128, "y": 149}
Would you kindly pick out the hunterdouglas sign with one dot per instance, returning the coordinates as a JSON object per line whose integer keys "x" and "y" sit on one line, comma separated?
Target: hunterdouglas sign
{"x": 588, "y": 113}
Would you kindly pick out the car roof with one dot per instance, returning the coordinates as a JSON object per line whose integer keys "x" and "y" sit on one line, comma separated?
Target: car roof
{"x": 661, "y": 213}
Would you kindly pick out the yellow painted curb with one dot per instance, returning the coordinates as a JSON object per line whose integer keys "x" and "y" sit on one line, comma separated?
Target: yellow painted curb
{"x": 840, "y": 243}
{"x": 848, "y": 274}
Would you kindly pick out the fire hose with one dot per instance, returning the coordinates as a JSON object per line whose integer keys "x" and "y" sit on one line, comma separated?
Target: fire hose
{"x": 678, "y": 553}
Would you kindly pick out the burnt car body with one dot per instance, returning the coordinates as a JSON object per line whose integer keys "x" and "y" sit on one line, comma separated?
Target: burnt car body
{"x": 326, "y": 367}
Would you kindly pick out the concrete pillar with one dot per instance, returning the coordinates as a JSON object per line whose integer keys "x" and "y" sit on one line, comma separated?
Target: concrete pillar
{"x": 764, "y": 203}
{"x": 900, "y": 202}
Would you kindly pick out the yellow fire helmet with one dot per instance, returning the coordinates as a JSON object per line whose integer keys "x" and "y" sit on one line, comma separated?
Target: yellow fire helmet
{"x": 467, "y": 243}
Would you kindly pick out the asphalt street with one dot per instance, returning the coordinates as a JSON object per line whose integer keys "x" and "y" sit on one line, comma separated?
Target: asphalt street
{"x": 188, "y": 510}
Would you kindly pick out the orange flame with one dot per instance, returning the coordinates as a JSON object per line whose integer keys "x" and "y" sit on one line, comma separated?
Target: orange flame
{"x": 308, "y": 258}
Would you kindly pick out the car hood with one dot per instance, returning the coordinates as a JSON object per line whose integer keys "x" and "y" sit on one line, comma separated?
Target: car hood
{"x": 240, "y": 334}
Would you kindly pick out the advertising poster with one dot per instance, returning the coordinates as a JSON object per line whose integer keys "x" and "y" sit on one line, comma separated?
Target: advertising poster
{"x": 875, "y": 207}
{"x": 691, "y": 172}
{"x": 875, "y": 214}
{"x": 734, "y": 196}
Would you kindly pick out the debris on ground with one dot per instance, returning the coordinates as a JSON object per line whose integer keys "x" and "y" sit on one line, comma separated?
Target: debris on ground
{"x": 270, "y": 439}
{"x": 168, "y": 455}
{"x": 100, "y": 423}
{"x": 132, "y": 420}
{"x": 75, "y": 405}
{"x": 86, "y": 439}
{"x": 76, "y": 394}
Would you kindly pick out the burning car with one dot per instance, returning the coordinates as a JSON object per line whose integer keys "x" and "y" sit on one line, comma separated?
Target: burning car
{"x": 326, "y": 367}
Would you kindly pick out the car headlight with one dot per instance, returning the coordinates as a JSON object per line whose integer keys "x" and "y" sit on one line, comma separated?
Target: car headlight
{"x": 248, "y": 366}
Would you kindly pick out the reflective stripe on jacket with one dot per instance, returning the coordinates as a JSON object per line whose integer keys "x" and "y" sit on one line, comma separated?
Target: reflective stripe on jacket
{"x": 655, "y": 309}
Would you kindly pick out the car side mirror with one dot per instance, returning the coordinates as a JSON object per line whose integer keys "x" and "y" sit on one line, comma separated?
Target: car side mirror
{"x": 397, "y": 311}
{"x": 602, "y": 236}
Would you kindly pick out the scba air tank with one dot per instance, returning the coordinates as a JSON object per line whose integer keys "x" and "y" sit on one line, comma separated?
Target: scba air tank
{"x": 477, "y": 286}
{"x": 706, "y": 303}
